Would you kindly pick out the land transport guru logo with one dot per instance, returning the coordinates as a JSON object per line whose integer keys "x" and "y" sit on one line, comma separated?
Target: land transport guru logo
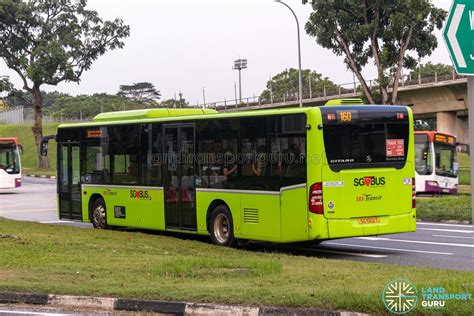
{"x": 400, "y": 296}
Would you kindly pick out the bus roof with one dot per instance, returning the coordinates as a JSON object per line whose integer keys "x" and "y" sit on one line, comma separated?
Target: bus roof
{"x": 166, "y": 115}
{"x": 9, "y": 139}
{"x": 431, "y": 134}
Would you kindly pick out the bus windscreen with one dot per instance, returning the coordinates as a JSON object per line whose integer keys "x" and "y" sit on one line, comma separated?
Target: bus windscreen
{"x": 9, "y": 158}
{"x": 446, "y": 160}
{"x": 365, "y": 138}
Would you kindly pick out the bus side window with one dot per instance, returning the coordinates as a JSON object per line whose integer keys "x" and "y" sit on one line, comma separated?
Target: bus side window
{"x": 124, "y": 149}
{"x": 217, "y": 150}
{"x": 255, "y": 153}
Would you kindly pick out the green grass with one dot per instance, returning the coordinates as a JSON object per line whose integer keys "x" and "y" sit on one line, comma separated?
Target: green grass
{"x": 70, "y": 260}
{"x": 464, "y": 169}
{"x": 444, "y": 208}
{"x": 29, "y": 159}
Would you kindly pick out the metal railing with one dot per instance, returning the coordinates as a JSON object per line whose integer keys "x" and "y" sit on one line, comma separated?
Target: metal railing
{"x": 344, "y": 90}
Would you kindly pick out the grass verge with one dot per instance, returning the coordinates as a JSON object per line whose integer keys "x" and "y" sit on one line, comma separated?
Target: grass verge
{"x": 464, "y": 168}
{"x": 69, "y": 260}
{"x": 444, "y": 208}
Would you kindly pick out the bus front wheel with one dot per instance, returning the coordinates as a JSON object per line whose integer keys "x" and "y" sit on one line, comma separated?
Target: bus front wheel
{"x": 222, "y": 227}
{"x": 99, "y": 212}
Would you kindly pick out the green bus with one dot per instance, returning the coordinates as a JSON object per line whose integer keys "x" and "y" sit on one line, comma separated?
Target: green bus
{"x": 284, "y": 175}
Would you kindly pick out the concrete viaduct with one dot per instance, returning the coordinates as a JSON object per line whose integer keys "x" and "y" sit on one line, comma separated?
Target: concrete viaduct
{"x": 443, "y": 101}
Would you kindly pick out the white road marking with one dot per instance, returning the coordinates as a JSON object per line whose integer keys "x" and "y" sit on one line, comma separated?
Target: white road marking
{"x": 447, "y": 236}
{"x": 346, "y": 253}
{"x": 29, "y": 211}
{"x": 448, "y": 230}
{"x": 416, "y": 241}
{"x": 387, "y": 248}
{"x": 441, "y": 224}
{"x": 10, "y": 312}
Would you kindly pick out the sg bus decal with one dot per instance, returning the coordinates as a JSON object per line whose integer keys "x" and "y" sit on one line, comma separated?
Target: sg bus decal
{"x": 140, "y": 195}
{"x": 369, "y": 181}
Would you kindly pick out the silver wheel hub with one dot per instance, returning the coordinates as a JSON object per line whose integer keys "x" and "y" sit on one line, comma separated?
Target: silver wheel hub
{"x": 221, "y": 228}
{"x": 99, "y": 216}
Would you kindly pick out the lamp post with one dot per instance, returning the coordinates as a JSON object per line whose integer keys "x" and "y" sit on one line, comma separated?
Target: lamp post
{"x": 300, "y": 78}
{"x": 240, "y": 64}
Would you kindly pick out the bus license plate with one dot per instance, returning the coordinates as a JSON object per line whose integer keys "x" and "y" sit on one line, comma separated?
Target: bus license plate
{"x": 369, "y": 220}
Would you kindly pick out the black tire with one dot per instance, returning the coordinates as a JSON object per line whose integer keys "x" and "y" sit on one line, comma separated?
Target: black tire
{"x": 221, "y": 227}
{"x": 99, "y": 214}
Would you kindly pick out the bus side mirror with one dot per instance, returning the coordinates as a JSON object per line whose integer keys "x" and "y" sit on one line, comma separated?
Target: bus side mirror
{"x": 20, "y": 149}
{"x": 44, "y": 145}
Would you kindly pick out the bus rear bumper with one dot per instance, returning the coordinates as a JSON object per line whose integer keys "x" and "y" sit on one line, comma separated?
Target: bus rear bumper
{"x": 353, "y": 227}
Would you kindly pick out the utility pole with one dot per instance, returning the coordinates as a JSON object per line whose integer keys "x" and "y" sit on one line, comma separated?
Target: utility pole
{"x": 203, "y": 97}
{"x": 300, "y": 77}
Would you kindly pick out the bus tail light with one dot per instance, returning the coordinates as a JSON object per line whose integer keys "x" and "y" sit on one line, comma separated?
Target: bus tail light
{"x": 413, "y": 193}
{"x": 316, "y": 198}
{"x": 17, "y": 182}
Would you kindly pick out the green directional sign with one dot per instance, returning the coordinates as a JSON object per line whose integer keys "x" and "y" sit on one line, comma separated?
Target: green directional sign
{"x": 459, "y": 36}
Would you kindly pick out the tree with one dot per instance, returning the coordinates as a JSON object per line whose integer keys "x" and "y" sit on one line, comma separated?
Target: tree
{"x": 378, "y": 30}
{"x": 285, "y": 84}
{"x": 143, "y": 92}
{"x": 172, "y": 103}
{"x": 429, "y": 70}
{"x": 5, "y": 84}
{"x": 48, "y": 42}
{"x": 87, "y": 106}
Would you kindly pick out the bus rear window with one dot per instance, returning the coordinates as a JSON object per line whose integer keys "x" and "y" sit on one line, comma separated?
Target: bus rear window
{"x": 366, "y": 140}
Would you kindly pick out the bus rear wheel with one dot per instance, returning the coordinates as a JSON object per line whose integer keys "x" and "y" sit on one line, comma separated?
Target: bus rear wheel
{"x": 99, "y": 214}
{"x": 222, "y": 227}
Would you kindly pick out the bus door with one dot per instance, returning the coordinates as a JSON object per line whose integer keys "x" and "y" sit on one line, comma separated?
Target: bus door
{"x": 69, "y": 184}
{"x": 179, "y": 175}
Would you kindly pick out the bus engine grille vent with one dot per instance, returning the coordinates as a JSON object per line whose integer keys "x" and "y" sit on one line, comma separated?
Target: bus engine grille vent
{"x": 250, "y": 215}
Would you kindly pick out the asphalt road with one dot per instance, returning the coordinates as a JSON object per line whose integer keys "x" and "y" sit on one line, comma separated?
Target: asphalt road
{"x": 437, "y": 245}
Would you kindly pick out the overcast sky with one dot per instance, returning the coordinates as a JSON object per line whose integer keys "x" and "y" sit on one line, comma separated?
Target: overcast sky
{"x": 185, "y": 45}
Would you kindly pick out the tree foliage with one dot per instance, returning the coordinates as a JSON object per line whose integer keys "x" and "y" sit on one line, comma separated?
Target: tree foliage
{"x": 85, "y": 107}
{"x": 50, "y": 41}
{"x": 285, "y": 84}
{"x": 388, "y": 33}
{"x": 144, "y": 92}
{"x": 429, "y": 70}
{"x": 173, "y": 103}
{"x": 5, "y": 84}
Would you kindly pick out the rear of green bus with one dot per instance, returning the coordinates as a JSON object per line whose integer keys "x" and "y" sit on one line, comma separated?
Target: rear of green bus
{"x": 364, "y": 182}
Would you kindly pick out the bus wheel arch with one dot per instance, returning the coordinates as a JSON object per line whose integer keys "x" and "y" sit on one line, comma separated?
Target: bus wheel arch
{"x": 220, "y": 224}
{"x": 98, "y": 211}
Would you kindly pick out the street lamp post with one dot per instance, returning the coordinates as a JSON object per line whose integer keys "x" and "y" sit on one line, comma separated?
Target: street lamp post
{"x": 300, "y": 78}
{"x": 240, "y": 64}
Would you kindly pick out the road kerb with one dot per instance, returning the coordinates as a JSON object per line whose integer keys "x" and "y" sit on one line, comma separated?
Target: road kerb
{"x": 164, "y": 307}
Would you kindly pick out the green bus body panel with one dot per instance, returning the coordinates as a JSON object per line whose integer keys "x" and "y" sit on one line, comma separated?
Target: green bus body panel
{"x": 204, "y": 200}
{"x": 280, "y": 216}
{"x": 139, "y": 212}
{"x": 392, "y": 198}
{"x": 294, "y": 215}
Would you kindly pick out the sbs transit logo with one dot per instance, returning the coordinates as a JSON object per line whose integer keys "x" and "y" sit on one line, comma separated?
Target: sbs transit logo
{"x": 400, "y": 296}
